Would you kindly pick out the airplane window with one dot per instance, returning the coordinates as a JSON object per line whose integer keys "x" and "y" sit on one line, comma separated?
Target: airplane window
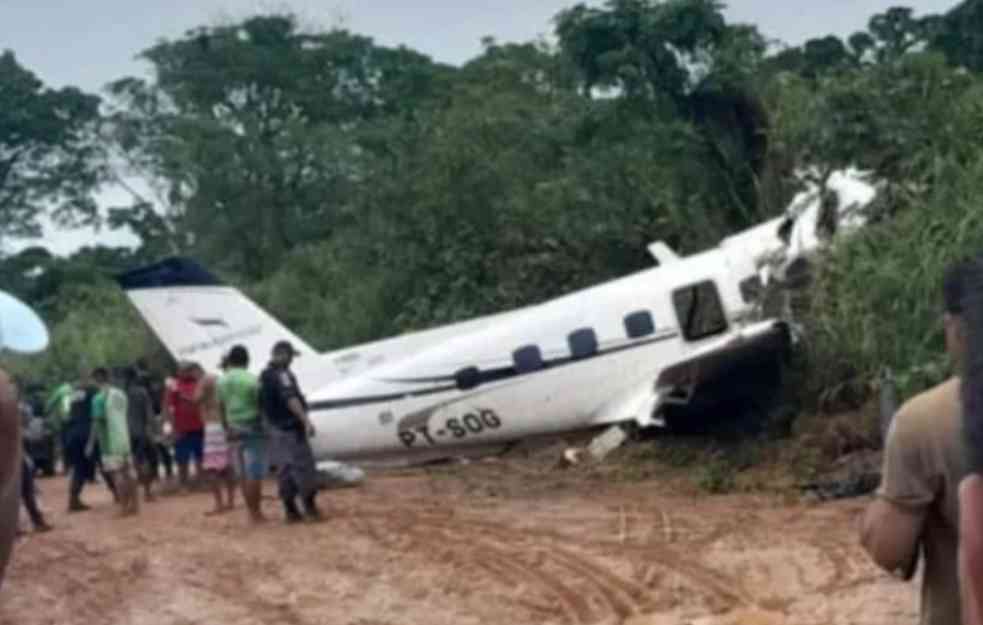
{"x": 583, "y": 343}
{"x": 527, "y": 359}
{"x": 468, "y": 378}
{"x": 639, "y": 324}
{"x": 750, "y": 289}
{"x": 699, "y": 310}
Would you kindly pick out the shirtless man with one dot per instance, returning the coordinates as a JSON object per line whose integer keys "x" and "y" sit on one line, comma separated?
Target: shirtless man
{"x": 216, "y": 462}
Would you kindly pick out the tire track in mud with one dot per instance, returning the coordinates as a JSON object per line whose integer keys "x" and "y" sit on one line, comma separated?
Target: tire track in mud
{"x": 583, "y": 591}
{"x": 724, "y": 591}
{"x": 414, "y": 533}
{"x": 656, "y": 543}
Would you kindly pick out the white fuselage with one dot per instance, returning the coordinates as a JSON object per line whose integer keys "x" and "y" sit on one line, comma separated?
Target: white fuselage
{"x": 415, "y": 405}
{"x": 616, "y": 352}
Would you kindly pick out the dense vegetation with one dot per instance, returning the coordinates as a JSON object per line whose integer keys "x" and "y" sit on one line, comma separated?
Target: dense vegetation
{"x": 359, "y": 191}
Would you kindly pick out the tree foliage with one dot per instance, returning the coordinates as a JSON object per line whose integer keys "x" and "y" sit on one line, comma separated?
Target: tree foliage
{"x": 49, "y": 159}
{"x": 358, "y": 191}
{"x": 253, "y": 128}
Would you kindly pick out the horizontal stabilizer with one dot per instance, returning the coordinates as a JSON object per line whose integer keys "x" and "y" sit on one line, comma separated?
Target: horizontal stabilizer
{"x": 662, "y": 253}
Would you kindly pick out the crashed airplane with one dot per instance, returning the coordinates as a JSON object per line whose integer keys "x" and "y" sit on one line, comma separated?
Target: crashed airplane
{"x": 622, "y": 352}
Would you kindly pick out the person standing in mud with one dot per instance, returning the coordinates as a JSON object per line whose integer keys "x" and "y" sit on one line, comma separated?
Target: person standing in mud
{"x": 186, "y": 424}
{"x": 217, "y": 459}
{"x": 291, "y": 428}
{"x": 161, "y": 438}
{"x": 111, "y": 432}
{"x": 916, "y": 510}
{"x": 57, "y": 410}
{"x": 140, "y": 417}
{"x": 77, "y": 433}
{"x": 239, "y": 394}
{"x": 28, "y": 487}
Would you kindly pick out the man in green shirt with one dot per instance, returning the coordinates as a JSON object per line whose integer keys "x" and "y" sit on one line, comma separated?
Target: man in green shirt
{"x": 57, "y": 410}
{"x": 238, "y": 392}
{"x": 111, "y": 430}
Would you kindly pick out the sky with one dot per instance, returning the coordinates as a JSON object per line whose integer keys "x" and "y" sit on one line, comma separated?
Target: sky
{"x": 89, "y": 44}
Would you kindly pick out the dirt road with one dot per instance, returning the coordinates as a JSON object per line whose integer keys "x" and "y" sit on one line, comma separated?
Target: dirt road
{"x": 489, "y": 543}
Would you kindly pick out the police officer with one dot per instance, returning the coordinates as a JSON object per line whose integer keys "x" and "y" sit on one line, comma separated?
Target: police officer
{"x": 290, "y": 428}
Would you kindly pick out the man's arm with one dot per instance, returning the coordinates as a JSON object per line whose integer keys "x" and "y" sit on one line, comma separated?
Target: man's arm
{"x": 890, "y": 534}
{"x": 892, "y": 525}
{"x": 222, "y": 413}
{"x": 298, "y": 409}
{"x": 201, "y": 389}
{"x": 90, "y": 445}
{"x": 167, "y": 406}
{"x": 282, "y": 383}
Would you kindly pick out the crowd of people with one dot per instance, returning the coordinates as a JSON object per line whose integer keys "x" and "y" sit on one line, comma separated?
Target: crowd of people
{"x": 222, "y": 432}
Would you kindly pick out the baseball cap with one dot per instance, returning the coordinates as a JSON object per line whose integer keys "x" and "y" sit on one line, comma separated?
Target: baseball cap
{"x": 285, "y": 346}
{"x": 21, "y": 330}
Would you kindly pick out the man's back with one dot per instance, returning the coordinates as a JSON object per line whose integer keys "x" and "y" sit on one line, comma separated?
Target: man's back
{"x": 109, "y": 412}
{"x": 139, "y": 411}
{"x": 923, "y": 464}
{"x": 80, "y": 414}
{"x": 277, "y": 386}
{"x": 187, "y": 416}
{"x": 239, "y": 391}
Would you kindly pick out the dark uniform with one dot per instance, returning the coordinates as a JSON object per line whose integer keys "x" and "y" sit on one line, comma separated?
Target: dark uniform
{"x": 139, "y": 417}
{"x": 77, "y": 432}
{"x": 292, "y": 454}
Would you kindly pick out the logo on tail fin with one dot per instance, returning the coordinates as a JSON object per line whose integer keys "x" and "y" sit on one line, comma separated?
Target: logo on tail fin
{"x": 220, "y": 341}
{"x": 207, "y": 323}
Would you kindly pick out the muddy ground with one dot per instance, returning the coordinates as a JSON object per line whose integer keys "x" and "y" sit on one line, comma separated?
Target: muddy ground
{"x": 491, "y": 542}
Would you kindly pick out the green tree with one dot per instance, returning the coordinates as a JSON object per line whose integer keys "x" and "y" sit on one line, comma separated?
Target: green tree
{"x": 250, "y": 130}
{"x": 680, "y": 61}
{"x": 50, "y": 161}
{"x": 959, "y": 34}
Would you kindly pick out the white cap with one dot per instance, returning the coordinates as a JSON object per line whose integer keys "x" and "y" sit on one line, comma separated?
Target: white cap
{"x": 21, "y": 330}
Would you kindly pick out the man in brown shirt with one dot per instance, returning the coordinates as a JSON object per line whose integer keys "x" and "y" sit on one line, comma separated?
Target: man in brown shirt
{"x": 20, "y": 331}
{"x": 916, "y": 509}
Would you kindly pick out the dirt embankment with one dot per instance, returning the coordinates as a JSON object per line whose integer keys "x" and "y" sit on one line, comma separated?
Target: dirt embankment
{"x": 501, "y": 542}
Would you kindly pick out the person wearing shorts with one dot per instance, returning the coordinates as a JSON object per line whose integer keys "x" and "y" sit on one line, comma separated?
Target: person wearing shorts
{"x": 110, "y": 430}
{"x": 186, "y": 423}
{"x": 238, "y": 392}
{"x": 217, "y": 461}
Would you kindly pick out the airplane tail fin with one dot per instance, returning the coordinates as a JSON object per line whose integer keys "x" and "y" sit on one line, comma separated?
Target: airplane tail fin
{"x": 199, "y": 318}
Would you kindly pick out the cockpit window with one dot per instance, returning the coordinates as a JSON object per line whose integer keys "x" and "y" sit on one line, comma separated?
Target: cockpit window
{"x": 699, "y": 310}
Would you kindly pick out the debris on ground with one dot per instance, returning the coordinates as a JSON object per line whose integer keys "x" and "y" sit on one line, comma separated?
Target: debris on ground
{"x": 333, "y": 474}
{"x": 605, "y": 443}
